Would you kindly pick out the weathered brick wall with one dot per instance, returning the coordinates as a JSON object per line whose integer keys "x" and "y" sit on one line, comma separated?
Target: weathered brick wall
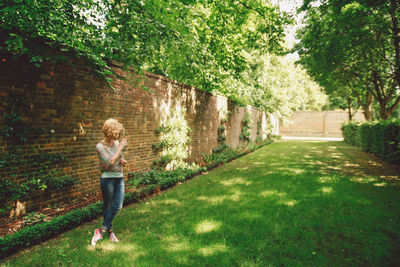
{"x": 317, "y": 123}
{"x": 71, "y": 103}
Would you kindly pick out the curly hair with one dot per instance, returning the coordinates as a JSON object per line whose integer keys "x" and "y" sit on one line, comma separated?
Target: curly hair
{"x": 112, "y": 128}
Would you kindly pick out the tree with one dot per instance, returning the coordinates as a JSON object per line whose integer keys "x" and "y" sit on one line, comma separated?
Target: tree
{"x": 199, "y": 42}
{"x": 356, "y": 43}
{"x": 276, "y": 84}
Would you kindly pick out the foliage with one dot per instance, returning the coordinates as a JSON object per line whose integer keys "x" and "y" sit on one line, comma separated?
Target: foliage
{"x": 351, "y": 133}
{"x": 352, "y": 48}
{"x": 200, "y": 43}
{"x": 174, "y": 138}
{"x": 14, "y": 127}
{"x": 221, "y": 157}
{"x": 246, "y": 126}
{"x": 220, "y": 148}
{"x": 37, "y": 168}
{"x": 379, "y": 138}
{"x": 42, "y": 231}
{"x": 222, "y": 132}
{"x": 275, "y": 84}
{"x": 34, "y": 218}
{"x": 382, "y": 139}
{"x": 162, "y": 178}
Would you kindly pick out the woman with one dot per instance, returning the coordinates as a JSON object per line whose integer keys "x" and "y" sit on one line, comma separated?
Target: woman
{"x": 112, "y": 181}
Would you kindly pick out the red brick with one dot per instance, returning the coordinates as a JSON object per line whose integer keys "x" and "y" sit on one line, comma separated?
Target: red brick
{"x": 76, "y": 97}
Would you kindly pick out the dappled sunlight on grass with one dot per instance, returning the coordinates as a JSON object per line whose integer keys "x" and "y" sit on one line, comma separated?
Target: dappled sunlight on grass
{"x": 235, "y": 181}
{"x": 171, "y": 202}
{"x": 176, "y": 244}
{"x": 364, "y": 179}
{"x": 390, "y": 177}
{"x": 326, "y": 189}
{"x": 287, "y": 170}
{"x": 210, "y": 250}
{"x": 289, "y": 203}
{"x": 144, "y": 210}
{"x": 207, "y": 226}
{"x": 328, "y": 179}
{"x": 349, "y": 164}
{"x": 214, "y": 200}
{"x": 257, "y": 163}
{"x": 105, "y": 246}
{"x": 272, "y": 193}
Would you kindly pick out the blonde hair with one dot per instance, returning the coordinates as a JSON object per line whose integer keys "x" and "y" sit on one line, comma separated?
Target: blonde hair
{"x": 112, "y": 128}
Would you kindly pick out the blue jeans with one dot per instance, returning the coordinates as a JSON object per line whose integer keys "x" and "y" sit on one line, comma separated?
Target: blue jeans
{"x": 113, "y": 190}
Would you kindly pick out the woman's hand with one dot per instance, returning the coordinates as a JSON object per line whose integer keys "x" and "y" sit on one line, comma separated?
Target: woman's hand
{"x": 123, "y": 162}
{"x": 123, "y": 143}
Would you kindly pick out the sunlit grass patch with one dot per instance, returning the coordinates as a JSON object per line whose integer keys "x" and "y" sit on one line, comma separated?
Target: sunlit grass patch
{"x": 328, "y": 179}
{"x": 207, "y": 226}
{"x": 326, "y": 189}
{"x": 213, "y": 200}
{"x": 235, "y": 181}
{"x": 272, "y": 193}
{"x": 174, "y": 243}
{"x": 210, "y": 250}
{"x": 364, "y": 179}
{"x": 245, "y": 214}
{"x": 289, "y": 203}
{"x": 172, "y": 202}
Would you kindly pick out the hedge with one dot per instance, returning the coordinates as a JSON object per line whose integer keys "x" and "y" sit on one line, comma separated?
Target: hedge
{"x": 43, "y": 231}
{"x": 379, "y": 138}
{"x": 351, "y": 133}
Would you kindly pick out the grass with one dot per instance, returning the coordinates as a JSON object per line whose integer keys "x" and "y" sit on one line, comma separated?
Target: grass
{"x": 287, "y": 204}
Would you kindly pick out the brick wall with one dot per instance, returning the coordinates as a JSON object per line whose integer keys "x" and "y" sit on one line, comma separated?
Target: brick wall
{"x": 71, "y": 103}
{"x": 317, "y": 123}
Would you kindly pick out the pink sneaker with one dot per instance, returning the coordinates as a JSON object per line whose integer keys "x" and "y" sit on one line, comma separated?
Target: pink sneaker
{"x": 113, "y": 238}
{"x": 96, "y": 237}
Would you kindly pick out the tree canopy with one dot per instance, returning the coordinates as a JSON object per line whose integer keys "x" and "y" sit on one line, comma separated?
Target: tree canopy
{"x": 351, "y": 47}
{"x": 202, "y": 43}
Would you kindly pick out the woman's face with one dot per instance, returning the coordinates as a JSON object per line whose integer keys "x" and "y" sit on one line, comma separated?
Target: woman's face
{"x": 115, "y": 135}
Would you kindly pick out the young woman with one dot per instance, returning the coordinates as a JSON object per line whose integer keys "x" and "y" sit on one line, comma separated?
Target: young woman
{"x": 112, "y": 181}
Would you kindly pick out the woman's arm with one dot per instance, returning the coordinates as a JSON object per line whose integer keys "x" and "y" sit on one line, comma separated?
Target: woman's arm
{"x": 117, "y": 154}
{"x": 105, "y": 159}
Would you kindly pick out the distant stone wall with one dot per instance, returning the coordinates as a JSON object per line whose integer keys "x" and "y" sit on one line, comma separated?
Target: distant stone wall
{"x": 71, "y": 103}
{"x": 317, "y": 123}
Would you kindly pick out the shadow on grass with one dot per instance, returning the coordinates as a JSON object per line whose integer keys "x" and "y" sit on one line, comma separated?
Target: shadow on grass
{"x": 289, "y": 204}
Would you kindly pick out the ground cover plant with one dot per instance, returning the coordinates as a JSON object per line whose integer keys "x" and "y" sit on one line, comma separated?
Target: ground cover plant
{"x": 289, "y": 203}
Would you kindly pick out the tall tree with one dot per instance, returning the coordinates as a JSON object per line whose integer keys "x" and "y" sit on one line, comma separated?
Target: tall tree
{"x": 356, "y": 42}
{"x": 198, "y": 42}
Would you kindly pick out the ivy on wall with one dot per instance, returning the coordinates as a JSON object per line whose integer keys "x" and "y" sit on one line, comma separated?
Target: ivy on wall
{"x": 174, "y": 139}
{"x": 25, "y": 174}
{"x": 246, "y": 122}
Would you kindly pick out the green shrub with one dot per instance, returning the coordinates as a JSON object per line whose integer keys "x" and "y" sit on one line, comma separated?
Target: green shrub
{"x": 379, "y": 138}
{"x": 351, "y": 133}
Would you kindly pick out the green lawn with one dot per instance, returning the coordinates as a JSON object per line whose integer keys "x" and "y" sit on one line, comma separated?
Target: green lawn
{"x": 287, "y": 204}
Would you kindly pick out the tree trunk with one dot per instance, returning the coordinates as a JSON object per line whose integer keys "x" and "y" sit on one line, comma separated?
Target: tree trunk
{"x": 383, "y": 110}
{"x": 349, "y": 108}
{"x": 367, "y": 106}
